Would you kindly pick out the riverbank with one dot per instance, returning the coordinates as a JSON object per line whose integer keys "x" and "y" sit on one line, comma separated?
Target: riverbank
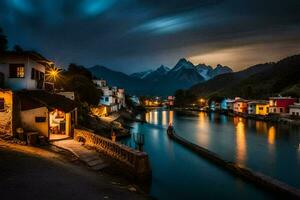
{"x": 272, "y": 184}
{"x": 48, "y": 173}
{"x": 267, "y": 118}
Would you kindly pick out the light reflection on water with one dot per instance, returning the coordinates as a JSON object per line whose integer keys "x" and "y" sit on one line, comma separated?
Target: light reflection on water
{"x": 241, "y": 146}
{"x": 261, "y": 146}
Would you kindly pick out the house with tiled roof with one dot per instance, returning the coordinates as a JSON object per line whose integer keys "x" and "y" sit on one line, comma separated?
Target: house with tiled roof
{"x": 23, "y": 70}
{"x": 53, "y": 116}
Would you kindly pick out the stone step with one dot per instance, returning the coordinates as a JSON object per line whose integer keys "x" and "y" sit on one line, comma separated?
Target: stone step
{"x": 89, "y": 158}
{"x": 99, "y": 167}
{"x": 95, "y": 162}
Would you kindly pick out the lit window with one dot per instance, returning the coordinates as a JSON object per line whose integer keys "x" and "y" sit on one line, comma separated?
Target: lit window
{"x": 16, "y": 71}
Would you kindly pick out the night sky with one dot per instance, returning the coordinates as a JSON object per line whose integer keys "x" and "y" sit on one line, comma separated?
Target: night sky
{"x": 134, "y": 35}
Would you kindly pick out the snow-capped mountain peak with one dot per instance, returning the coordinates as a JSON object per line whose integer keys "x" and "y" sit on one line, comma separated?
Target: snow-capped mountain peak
{"x": 142, "y": 75}
{"x": 163, "y": 69}
{"x": 183, "y": 64}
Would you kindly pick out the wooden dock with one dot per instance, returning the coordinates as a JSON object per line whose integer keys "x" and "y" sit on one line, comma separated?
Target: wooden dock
{"x": 259, "y": 179}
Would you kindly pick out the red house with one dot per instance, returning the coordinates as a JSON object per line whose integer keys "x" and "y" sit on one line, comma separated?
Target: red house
{"x": 280, "y": 104}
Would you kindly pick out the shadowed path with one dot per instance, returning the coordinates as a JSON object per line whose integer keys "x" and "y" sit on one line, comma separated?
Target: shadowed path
{"x": 33, "y": 173}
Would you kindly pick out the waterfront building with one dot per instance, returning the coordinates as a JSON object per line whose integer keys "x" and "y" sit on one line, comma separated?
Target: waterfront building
{"x": 262, "y": 108}
{"x": 6, "y": 112}
{"x": 280, "y": 105}
{"x": 229, "y": 104}
{"x": 252, "y": 107}
{"x": 100, "y": 83}
{"x": 135, "y": 100}
{"x": 223, "y": 104}
{"x": 258, "y": 107}
{"x": 24, "y": 70}
{"x": 170, "y": 101}
{"x": 295, "y": 109}
{"x": 113, "y": 98}
{"x": 240, "y": 105}
{"x": 51, "y": 115}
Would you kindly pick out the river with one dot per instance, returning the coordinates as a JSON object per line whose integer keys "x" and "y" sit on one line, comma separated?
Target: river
{"x": 179, "y": 173}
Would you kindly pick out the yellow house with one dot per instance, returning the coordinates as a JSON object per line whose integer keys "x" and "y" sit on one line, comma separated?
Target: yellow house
{"x": 6, "y": 112}
{"x": 262, "y": 108}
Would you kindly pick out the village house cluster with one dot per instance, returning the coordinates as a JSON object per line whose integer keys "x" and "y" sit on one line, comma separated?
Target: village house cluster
{"x": 26, "y": 107}
{"x": 282, "y": 106}
{"x": 112, "y": 98}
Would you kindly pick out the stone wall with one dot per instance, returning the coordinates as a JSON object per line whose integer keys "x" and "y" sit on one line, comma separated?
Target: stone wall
{"x": 7, "y": 113}
{"x": 136, "y": 162}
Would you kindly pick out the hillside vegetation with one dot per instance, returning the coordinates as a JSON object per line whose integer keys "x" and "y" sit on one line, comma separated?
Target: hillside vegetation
{"x": 259, "y": 81}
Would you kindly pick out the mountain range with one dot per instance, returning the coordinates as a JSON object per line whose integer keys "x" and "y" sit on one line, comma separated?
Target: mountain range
{"x": 259, "y": 81}
{"x": 163, "y": 80}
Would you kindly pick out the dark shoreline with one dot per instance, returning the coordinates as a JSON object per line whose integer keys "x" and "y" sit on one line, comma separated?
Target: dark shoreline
{"x": 269, "y": 118}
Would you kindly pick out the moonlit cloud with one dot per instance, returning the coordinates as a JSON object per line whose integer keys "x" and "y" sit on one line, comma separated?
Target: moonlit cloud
{"x": 95, "y": 7}
{"x": 166, "y": 25}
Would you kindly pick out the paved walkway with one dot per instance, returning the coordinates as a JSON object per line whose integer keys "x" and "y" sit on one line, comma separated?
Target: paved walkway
{"x": 110, "y": 118}
{"x": 90, "y": 157}
{"x": 40, "y": 173}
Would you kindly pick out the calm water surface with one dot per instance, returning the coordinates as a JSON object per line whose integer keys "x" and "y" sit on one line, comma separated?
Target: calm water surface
{"x": 179, "y": 173}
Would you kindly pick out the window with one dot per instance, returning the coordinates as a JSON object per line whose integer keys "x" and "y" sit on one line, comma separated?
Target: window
{"x": 261, "y": 108}
{"x": 16, "y": 71}
{"x": 37, "y": 75}
{"x": 1, "y": 104}
{"x": 281, "y": 110}
{"x": 40, "y": 119}
{"x": 106, "y": 98}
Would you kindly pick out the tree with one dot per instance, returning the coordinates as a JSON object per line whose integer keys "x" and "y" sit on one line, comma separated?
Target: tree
{"x": 75, "y": 69}
{"x": 18, "y": 49}
{"x": 3, "y": 41}
{"x": 184, "y": 98}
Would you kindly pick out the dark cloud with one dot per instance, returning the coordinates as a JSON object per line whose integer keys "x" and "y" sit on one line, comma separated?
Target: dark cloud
{"x": 133, "y": 35}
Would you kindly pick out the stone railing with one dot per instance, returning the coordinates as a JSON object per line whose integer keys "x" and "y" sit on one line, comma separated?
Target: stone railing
{"x": 136, "y": 161}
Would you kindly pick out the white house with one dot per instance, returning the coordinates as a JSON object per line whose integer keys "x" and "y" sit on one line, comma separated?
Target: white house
{"x": 295, "y": 109}
{"x": 23, "y": 70}
{"x": 51, "y": 115}
{"x": 99, "y": 83}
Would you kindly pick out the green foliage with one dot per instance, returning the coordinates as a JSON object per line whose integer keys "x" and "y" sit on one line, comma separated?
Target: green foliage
{"x": 84, "y": 89}
{"x": 293, "y": 91}
{"x": 75, "y": 69}
{"x": 274, "y": 79}
{"x": 18, "y": 49}
{"x": 78, "y": 79}
{"x": 3, "y": 41}
{"x": 184, "y": 98}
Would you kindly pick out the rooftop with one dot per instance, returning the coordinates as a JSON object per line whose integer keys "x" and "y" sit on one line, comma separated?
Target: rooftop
{"x": 31, "y": 99}
{"x": 31, "y": 54}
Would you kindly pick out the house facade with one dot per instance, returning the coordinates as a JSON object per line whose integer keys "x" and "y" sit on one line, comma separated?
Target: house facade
{"x": 230, "y": 104}
{"x": 252, "y": 107}
{"x": 295, "y": 109}
{"x": 240, "y": 105}
{"x": 6, "y": 112}
{"x": 51, "y": 115}
{"x": 262, "y": 108}
{"x": 23, "y": 70}
{"x": 113, "y": 98}
{"x": 279, "y": 105}
{"x": 258, "y": 107}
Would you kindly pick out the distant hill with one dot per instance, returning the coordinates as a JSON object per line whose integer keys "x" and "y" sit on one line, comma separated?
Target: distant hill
{"x": 259, "y": 81}
{"x": 162, "y": 81}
